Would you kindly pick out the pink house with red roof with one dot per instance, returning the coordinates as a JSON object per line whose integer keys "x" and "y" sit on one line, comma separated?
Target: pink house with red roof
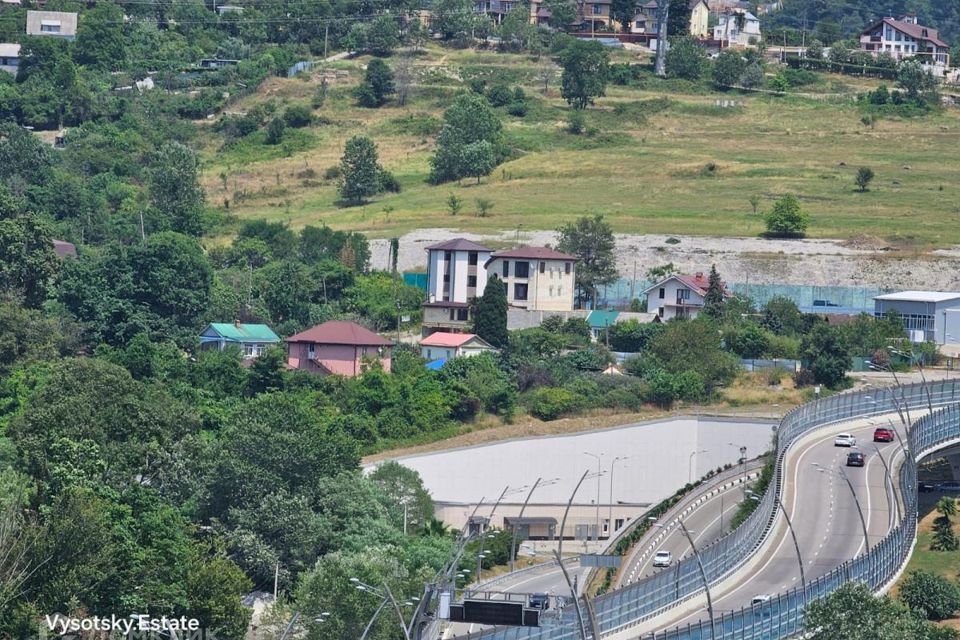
{"x": 339, "y": 348}
{"x": 447, "y": 346}
{"x": 678, "y": 296}
{"x": 537, "y": 278}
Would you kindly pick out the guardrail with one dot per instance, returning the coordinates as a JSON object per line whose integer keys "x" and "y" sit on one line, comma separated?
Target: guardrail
{"x": 652, "y": 596}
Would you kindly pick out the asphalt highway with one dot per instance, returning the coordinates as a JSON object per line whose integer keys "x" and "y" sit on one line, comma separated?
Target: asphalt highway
{"x": 824, "y": 515}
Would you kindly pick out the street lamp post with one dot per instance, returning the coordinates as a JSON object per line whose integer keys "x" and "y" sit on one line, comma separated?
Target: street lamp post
{"x": 703, "y": 571}
{"x": 610, "y": 527}
{"x": 793, "y": 535}
{"x": 690, "y": 464}
{"x": 856, "y": 500}
{"x": 743, "y": 465}
{"x": 563, "y": 522}
{"x": 889, "y": 479}
{"x": 387, "y": 595}
{"x": 573, "y": 593}
{"x": 513, "y": 544}
{"x": 917, "y": 360}
{"x": 597, "y": 524}
{"x": 481, "y": 555}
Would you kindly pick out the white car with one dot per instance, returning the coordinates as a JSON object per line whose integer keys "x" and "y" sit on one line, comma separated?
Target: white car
{"x": 844, "y": 440}
{"x": 662, "y": 559}
{"x": 759, "y": 599}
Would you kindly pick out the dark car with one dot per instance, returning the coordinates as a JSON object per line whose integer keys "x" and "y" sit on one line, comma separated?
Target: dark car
{"x": 538, "y": 601}
{"x": 855, "y": 459}
{"x": 883, "y": 435}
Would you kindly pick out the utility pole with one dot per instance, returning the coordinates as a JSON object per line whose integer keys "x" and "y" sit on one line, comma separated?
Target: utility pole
{"x": 663, "y": 14}
{"x": 276, "y": 580}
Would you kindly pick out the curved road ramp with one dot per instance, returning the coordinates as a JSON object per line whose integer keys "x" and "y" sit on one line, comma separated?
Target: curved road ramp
{"x": 757, "y": 562}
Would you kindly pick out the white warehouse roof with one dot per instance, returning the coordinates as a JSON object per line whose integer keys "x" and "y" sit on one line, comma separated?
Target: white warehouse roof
{"x": 920, "y": 296}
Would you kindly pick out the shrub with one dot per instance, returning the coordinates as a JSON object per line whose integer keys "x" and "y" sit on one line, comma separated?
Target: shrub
{"x": 499, "y": 95}
{"x": 576, "y": 122}
{"x": 550, "y": 403}
{"x": 389, "y": 182}
{"x": 518, "y": 109}
{"x": 785, "y": 219}
{"x": 332, "y": 173}
{"x": 297, "y": 116}
{"x": 930, "y": 595}
{"x": 275, "y": 131}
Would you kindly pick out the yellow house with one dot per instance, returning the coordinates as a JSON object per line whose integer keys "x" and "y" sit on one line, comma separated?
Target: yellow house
{"x": 699, "y": 18}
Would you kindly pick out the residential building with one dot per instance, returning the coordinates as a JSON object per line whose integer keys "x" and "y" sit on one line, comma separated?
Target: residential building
{"x": 738, "y": 28}
{"x": 903, "y": 38}
{"x": 600, "y": 321}
{"x": 455, "y": 276}
{"x": 645, "y": 19}
{"x": 337, "y": 347}
{"x": 251, "y": 339}
{"x": 595, "y": 15}
{"x": 9, "y": 57}
{"x": 679, "y": 296}
{"x": 56, "y": 24}
{"x": 537, "y": 278}
{"x": 447, "y": 346}
{"x": 496, "y": 9}
{"x": 927, "y": 315}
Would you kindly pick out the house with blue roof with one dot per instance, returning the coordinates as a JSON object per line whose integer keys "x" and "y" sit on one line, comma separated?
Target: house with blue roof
{"x": 252, "y": 339}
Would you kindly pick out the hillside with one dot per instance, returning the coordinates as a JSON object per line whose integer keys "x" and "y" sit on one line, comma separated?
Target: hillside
{"x": 657, "y": 157}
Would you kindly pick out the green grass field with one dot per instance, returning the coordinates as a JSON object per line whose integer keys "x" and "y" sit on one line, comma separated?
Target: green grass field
{"x": 667, "y": 160}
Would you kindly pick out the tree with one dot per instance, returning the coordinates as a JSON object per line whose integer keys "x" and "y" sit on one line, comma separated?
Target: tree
{"x": 469, "y": 120}
{"x": 713, "y": 301}
{"x": 407, "y": 500}
{"x": 863, "y": 179}
{"x": 826, "y": 354}
{"x": 403, "y": 76}
{"x": 377, "y": 84}
{"x": 728, "y": 68}
{"x": 28, "y": 262}
{"x": 678, "y": 22}
{"x": 694, "y": 346}
{"x": 586, "y": 66}
{"x": 100, "y": 40}
{"x": 359, "y": 170}
{"x": 454, "y": 204}
{"x": 944, "y": 537}
{"x": 214, "y": 589}
{"x": 852, "y": 612}
{"x": 383, "y": 36}
{"x": 752, "y": 76}
{"x": 591, "y": 240}
{"x": 785, "y": 219}
{"x": 478, "y": 159}
{"x": 686, "y": 59}
{"x": 275, "y": 131}
{"x": 562, "y": 13}
{"x": 175, "y": 188}
{"x": 490, "y": 316}
{"x": 918, "y": 82}
{"x": 932, "y": 596}
{"x": 623, "y": 11}
{"x": 782, "y": 316}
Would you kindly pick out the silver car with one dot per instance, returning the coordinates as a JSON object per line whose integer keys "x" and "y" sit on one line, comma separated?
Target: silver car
{"x": 662, "y": 559}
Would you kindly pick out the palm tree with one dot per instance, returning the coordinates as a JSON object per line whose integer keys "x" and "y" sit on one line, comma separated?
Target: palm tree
{"x": 947, "y": 507}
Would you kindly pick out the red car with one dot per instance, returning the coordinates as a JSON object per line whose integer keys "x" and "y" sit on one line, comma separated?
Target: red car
{"x": 883, "y": 435}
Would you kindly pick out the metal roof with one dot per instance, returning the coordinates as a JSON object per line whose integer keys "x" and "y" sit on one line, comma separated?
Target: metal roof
{"x": 919, "y": 296}
{"x": 242, "y": 332}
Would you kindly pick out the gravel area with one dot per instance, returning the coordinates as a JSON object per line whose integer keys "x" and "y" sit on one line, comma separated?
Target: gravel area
{"x": 741, "y": 260}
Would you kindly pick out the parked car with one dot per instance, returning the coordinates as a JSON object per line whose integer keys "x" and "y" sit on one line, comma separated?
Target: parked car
{"x": 883, "y": 435}
{"x": 855, "y": 459}
{"x": 538, "y": 601}
{"x": 845, "y": 440}
{"x": 662, "y": 559}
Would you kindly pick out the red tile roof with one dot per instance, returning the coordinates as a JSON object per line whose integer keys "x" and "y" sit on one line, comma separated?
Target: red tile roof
{"x": 533, "y": 253}
{"x": 340, "y": 332}
{"x": 443, "y": 339}
{"x": 457, "y": 244}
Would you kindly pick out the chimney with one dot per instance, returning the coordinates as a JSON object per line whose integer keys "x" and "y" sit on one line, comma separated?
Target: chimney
{"x": 699, "y": 275}
{"x": 236, "y": 323}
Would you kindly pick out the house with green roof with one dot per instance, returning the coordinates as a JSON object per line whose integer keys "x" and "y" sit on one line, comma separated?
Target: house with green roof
{"x": 252, "y": 339}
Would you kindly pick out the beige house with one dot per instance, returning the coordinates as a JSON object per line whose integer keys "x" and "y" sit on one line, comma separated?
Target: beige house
{"x": 9, "y": 57}
{"x": 645, "y": 20}
{"x": 57, "y": 24}
{"x": 699, "y": 19}
{"x": 537, "y": 278}
{"x": 447, "y": 346}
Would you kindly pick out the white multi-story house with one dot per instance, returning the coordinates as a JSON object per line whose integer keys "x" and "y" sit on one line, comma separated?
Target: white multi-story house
{"x": 903, "y": 38}
{"x": 55, "y": 24}
{"x": 678, "y": 296}
{"x": 9, "y": 57}
{"x": 455, "y": 276}
{"x": 537, "y": 278}
{"x": 738, "y": 27}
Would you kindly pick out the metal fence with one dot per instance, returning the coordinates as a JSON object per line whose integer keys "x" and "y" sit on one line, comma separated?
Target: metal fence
{"x": 632, "y": 605}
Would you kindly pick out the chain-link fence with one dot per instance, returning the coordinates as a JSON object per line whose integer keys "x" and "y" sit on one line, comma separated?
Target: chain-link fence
{"x": 783, "y": 614}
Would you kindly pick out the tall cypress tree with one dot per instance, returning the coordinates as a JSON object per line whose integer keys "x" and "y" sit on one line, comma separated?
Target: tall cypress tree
{"x": 713, "y": 301}
{"x": 490, "y": 317}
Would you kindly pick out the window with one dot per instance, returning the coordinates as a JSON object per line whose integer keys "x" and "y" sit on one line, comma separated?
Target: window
{"x": 506, "y": 268}
{"x": 446, "y": 256}
{"x": 252, "y": 350}
{"x": 598, "y": 9}
{"x": 551, "y": 291}
{"x": 523, "y": 270}
{"x": 663, "y": 293}
{"x": 519, "y": 292}
{"x": 559, "y": 291}
{"x": 446, "y": 277}
{"x": 683, "y": 295}
{"x": 463, "y": 315}
{"x": 429, "y": 354}
{"x": 312, "y": 352}
{"x": 566, "y": 268}
{"x": 472, "y": 258}
{"x": 50, "y": 28}
{"x": 452, "y": 314}
{"x": 471, "y": 281}
{"x": 543, "y": 266}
